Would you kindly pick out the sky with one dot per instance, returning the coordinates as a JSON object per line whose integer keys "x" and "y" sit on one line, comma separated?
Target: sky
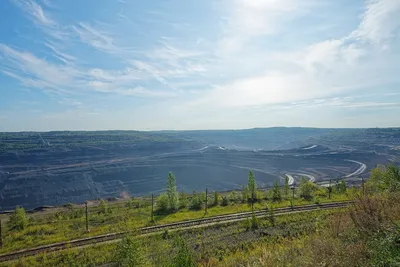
{"x": 178, "y": 64}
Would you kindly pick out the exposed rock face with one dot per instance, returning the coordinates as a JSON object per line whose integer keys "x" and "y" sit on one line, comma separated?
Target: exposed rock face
{"x": 99, "y": 165}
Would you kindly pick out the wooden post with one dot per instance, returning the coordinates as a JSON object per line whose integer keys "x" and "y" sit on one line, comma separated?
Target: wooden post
{"x": 205, "y": 212}
{"x": 330, "y": 188}
{"x": 87, "y": 219}
{"x": 152, "y": 207}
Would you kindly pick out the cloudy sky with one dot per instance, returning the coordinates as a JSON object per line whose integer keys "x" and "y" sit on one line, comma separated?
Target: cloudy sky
{"x": 209, "y": 64}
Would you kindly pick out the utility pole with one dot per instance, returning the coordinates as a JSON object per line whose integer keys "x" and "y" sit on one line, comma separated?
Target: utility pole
{"x": 205, "y": 212}
{"x": 330, "y": 188}
{"x": 293, "y": 188}
{"x": 87, "y": 220}
{"x": 152, "y": 207}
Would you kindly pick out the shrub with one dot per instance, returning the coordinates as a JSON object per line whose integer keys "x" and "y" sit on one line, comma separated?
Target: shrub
{"x": 225, "y": 201}
{"x": 276, "y": 192}
{"x": 307, "y": 188}
{"x": 196, "y": 202}
{"x": 18, "y": 220}
{"x": 216, "y": 199}
{"x": 103, "y": 207}
{"x": 184, "y": 255}
{"x": 129, "y": 253}
{"x": 162, "y": 203}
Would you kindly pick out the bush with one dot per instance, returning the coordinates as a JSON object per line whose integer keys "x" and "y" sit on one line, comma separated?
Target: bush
{"x": 225, "y": 201}
{"x": 196, "y": 202}
{"x": 18, "y": 220}
{"x": 103, "y": 207}
{"x": 162, "y": 203}
{"x": 216, "y": 199}
{"x": 307, "y": 188}
{"x": 276, "y": 192}
{"x": 129, "y": 253}
{"x": 184, "y": 255}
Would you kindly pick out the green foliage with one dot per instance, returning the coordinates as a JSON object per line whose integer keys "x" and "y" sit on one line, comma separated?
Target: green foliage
{"x": 129, "y": 253}
{"x": 341, "y": 187}
{"x": 173, "y": 200}
{"x": 251, "y": 185}
{"x": 183, "y": 200}
{"x": 225, "y": 201}
{"x": 216, "y": 198}
{"x": 271, "y": 215}
{"x": 245, "y": 194}
{"x": 103, "y": 207}
{"x": 18, "y": 220}
{"x": 307, "y": 188}
{"x": 276, "y": 192}
{"x": 384, "y": 178}
{"x": 129, "y": 204}
{"x": 286, "y": 187}
{"x": 184, "y": 256}
{"x": 196, "y": 202}
{"x": 254, "y": 222}
{"x": 162, "y": 203}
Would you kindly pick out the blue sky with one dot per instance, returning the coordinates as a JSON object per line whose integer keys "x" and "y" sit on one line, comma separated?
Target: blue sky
{"x": 178, "y": 64}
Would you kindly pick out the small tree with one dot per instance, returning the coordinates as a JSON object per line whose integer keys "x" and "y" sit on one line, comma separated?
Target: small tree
{"x": 286, "y": 187}
{"x": 183, "y": 201}
{"x": 245, "y": 194}
{"x": 129, "y": 253}
{"x": 196, "y": 202}
{"x": 162, "y": 203}
{"x": 18, "y": 220}
{"x": 271, "y": 215}
{"x": 276, "y": 192}
{"x": 306, "y": 188}
{"x": 225, "y": 201}
{"x": 216, "y": 199}
{"x": 172, "y": 193}
{"x": 184, "y": 256}
{"x": 252, "y": 186}
{"x": 342, "y": 187}
{"x": 103, "y": 206}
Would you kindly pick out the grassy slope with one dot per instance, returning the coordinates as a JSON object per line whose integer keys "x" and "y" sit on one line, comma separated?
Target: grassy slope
{"x": 59, "y": 226}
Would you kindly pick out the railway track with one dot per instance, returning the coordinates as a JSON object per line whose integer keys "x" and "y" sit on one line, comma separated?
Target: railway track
{"x": 157, "y": 228}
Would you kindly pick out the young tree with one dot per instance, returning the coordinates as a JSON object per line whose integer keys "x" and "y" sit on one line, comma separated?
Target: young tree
{"x": 342, "y": 187}
{"x": 184, "y": 255}
{"x": 225, "y": 201}
{"x": 183, "y": 201}
{"x": 306, "y": 188}
{"x": 172, "y": 193}
{"x": 286, "y": 187}
{"x": 245, "y": 194}
{"x": 129, "y": 253}
{"x": 276, "y": 192}
{"x": 18, "y": 220}
{"x": 216, "y": 198}
{"x": 196, "y": 202}
{"x": 103, "y": 206}
{"x": 162, "y": 203}
{"x": 252, "y": 185}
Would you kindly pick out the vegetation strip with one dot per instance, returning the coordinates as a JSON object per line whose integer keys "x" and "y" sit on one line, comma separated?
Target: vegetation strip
{"x": 150, "y": 229}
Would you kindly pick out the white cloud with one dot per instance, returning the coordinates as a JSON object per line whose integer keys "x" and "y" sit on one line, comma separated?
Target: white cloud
{"x": 380, "y": 21}
{"x": 34, "y": 11}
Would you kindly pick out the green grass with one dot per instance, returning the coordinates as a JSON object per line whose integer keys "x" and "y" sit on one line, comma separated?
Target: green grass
{"x": 157, "y": 249}
{"x": 59, "y": 226}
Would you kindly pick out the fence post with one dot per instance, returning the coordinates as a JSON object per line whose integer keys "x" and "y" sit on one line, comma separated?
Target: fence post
{"x": 205, "y": 212}
{"x": 152, "y": 207}
{"x": 87, "y": 219}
